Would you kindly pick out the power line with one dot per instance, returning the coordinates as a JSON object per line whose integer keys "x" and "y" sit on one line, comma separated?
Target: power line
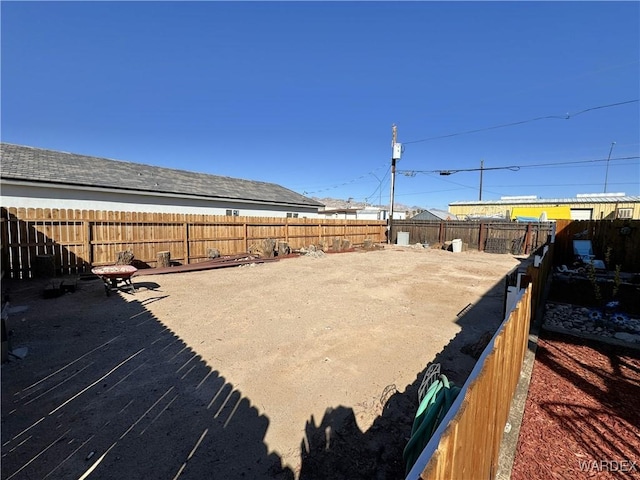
{"x": 567, "y": 116}
{"x": 514, "y": 168}
{"x": 379, "y": 187}
{"x": 560, "y": 185}
{"x": 333, "y": 187}
{"x": 579, "y": 161}
{"x": 465, "y": 186}
{"x": 431, "y": 192}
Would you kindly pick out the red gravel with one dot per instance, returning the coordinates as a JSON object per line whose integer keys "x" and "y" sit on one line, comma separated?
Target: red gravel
{"x": 582, "y": 416}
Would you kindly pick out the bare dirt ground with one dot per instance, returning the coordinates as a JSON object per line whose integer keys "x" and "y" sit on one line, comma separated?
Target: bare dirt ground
{"x": 304, "y": 368}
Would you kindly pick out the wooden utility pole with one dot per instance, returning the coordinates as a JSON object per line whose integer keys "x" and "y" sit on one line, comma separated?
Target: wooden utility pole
{"x": 394, "y": 156}
{"x": 606, "y": 175}
{"x": 481, "y": 169}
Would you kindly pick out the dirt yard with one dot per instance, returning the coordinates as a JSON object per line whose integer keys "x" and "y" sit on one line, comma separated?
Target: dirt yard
{"x": 304, "y": 368}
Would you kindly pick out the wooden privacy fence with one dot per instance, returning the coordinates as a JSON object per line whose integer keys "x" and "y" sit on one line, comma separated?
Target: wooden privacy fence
{"x": 495, "y": 237}
{"x": 78, "y": 239}
{"x": 538, "y": 275}
{"x": 621, "y": 236}
{"x": 467, "y": 442}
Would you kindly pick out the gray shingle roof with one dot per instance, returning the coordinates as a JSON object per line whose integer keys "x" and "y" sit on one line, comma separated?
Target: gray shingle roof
{"x": 434, "y": 213}
{"x": 49, "y": 166}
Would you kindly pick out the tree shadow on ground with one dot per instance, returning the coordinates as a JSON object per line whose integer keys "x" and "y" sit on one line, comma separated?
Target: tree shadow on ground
{"x": 107, "y": 389}
{"x": 579, "y": 417}
{"x": 608, "y": 377}
{"x": 336, "y": 448}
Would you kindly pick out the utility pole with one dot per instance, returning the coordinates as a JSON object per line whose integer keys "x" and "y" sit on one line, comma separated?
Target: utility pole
{"x": 395, "y": 155}
{"x": 481, "y": 169}
{"x": 606, "y": 175}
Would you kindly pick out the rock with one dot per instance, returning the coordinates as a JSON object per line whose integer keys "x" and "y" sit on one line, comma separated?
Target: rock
{"x": 265, "y": 248}
{"x": 20, "y": 353}
{"x": 627, "y": 337}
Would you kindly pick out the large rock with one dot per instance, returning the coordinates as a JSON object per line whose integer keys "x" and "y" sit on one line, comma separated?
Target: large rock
{"x": 627, "y": 337}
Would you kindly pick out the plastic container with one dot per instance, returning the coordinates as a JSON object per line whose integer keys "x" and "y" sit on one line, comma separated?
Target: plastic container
{"x": 456, "y": 245}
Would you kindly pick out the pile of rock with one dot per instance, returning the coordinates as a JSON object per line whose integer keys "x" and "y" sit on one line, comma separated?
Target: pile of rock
{"x": 592, "y": 322}
{"x": 312, "y": 251}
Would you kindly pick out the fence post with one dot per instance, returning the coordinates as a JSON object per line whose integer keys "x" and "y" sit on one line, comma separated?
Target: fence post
{"x": 527, "y": 240}
{"x": 186, "y": 242}
{"x": 88, "y": 251}
{"x": 246, "y": 236}
{"x": 4, "y": 243}
{"x": 286, "y": 230}
{"x": 481, "y": 237}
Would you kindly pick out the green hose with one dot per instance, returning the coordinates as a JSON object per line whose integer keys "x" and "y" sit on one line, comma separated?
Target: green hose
{"x": 434, "y": 406}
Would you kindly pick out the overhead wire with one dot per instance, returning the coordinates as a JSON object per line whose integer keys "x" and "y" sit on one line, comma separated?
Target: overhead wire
{"x": 379, "y": 187}
{"x": 488, "y": 188}
{"x": 560, "y": 185}
{"x": 470, "y": 187}
{"x": 566, "y": 116}
{"x": 333, "y": 187}
{"x": 515, "y": 168}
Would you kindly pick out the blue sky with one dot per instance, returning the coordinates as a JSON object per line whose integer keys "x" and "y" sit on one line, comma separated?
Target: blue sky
{"x": 304, "y": 94}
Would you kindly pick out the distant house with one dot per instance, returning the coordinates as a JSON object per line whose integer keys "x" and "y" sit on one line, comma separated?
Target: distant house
{"x": 434, "y": 214}
{"x": 38, "y": 178}
{"x": 355, "y": 213}
{"x": 596, "y": 206}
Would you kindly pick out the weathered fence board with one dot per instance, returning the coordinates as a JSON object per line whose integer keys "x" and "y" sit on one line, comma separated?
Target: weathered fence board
{"x": 467, "y": 443}
{"x": 81, "y": 239}
{"x": 518, "y": 238}
{"x": 622, "y": 237}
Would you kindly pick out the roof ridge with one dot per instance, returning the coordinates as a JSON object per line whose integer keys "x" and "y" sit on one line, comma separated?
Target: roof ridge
{"x": 41, "y": 165}
{"x": 129, "y": 162}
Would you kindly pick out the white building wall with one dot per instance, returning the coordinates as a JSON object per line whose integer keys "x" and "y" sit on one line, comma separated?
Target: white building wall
{"x": 27, "y": 196}
{"x": 372, "y": 214}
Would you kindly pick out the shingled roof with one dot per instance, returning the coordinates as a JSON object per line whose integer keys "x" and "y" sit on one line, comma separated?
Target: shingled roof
{"x": 52, "y": 167}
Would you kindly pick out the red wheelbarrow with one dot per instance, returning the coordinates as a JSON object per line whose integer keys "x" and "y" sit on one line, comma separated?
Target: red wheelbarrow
{"x": 113, "y": 274}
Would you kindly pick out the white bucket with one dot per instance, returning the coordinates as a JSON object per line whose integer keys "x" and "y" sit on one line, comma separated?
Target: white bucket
{"x": 403, "y": 238}
{"x": 456, "y": 245}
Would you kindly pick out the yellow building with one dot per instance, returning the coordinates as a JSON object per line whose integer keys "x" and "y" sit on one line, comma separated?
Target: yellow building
{"x": 607, "y": 206}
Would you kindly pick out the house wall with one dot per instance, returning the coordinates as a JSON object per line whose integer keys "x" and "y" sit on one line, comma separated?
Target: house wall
{"x": 357, "y": 214}
{"x": 554, "y": 211}
{"x": 340, "y": 215}
{"x": 27, "y": 196}
{"x": 371, "y": 215}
